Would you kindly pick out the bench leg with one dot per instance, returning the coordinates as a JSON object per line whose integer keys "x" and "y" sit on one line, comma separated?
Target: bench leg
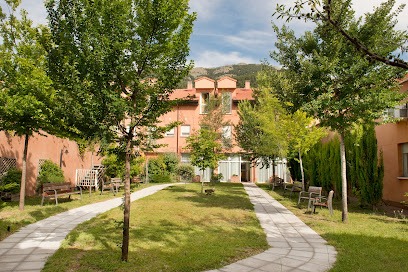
{"x": 42, "y": 201}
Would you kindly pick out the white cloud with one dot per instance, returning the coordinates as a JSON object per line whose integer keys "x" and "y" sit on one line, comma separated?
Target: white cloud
{"x": 206, "y": 10}
{"x": 216, "y": 59}
{"x": 251, "y": 39}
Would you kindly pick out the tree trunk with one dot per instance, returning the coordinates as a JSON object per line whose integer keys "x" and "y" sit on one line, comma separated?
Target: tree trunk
{"x": 301, "y": 171}
{"x": 343, "y": 179}
{"x": 202, "y": 183}
{"x": 24, "y": 173}
{"x": 126, "y": 210}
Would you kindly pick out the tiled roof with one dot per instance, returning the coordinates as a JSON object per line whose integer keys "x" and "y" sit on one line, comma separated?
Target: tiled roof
{"x": 242, "y": 94}
{"x": 184, "y": 94}
{"x": 404, "y": 79}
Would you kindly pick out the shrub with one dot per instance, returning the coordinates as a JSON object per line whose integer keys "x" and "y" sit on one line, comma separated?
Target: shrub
{"x": 50, "y": 173}
{"x": 10, "y": 182}
{"x": 216, "y": 178}
{"x": 114, "y": 163}
{"x": 160, "y": 178}
{"x": 185, "y": 171}
{"x": 171, "y": 161}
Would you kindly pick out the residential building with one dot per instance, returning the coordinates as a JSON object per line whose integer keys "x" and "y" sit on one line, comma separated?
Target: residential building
{"x": 234, "y": 167}
{"x": 392, "y": 139}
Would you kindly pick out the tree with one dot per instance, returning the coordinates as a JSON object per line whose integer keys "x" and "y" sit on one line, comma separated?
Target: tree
{"x": 27, "y": 98}
{"x": 263, "y": 128}
{"x": 303, "y": 134}
{"x": 333, "y": 84}
{"x": 205, "y": 150}
{"x": 115, "y": 63}
{"x": 209, "y": 144}
{"x": 325, "y": 11}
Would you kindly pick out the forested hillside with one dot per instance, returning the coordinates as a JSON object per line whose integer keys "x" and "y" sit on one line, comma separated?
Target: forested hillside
{"x": 240, "y": 72}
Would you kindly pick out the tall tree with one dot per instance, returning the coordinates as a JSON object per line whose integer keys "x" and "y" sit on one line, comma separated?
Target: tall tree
{"x": 303, "y": 135}
{"x": 333, "y": 84}
{"x": 115, "y": 63}
{"x": 325, "y": 11}
{"x": 263, "y": 128}
{"x": 27, "y": 98}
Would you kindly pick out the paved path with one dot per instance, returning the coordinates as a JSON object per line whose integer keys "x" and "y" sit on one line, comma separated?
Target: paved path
{"x": 294, "y": 246}
{"x": 28, "y": 249}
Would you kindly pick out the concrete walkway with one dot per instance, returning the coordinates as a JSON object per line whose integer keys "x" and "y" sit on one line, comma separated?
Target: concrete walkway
{"x": 28, "y": 249}
{"x": 294, "y": 246}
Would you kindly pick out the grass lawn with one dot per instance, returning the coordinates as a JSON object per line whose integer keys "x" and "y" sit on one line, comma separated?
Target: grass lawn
{"x": 368, "y": 242}
{"x": 12, "y": 218}
{"x": 176, "y": 229}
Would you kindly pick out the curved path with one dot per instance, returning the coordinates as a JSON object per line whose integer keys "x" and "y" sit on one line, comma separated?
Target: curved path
{"x": 294, "y": 246}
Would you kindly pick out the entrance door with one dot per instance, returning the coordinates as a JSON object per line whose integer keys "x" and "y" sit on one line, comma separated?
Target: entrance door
{"x": 245, "y": 172}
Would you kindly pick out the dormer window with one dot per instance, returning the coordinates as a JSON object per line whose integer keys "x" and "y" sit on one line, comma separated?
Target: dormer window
{"x": 204, "y": 100}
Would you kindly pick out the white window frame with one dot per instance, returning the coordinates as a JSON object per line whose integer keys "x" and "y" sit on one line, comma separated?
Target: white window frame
{"x": 404, "y": 152}
{"x": 204, "y": 103}
{"x": 170, "y": 133}
{"x": 227, "y": 132}
{"x": 185, "y": 130}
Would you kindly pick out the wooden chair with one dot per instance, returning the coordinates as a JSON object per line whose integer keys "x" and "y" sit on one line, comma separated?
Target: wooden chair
{"x": 311, "y": 194}
{"x": 275, "y": 182}
{"x": 294, "y": 187}
{"x": 328, "y": 203}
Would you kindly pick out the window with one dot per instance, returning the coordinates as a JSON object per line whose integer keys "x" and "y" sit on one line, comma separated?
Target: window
{"x": 404, "y": 151}
{"x": 204, "y": 99}
{"x": 226, "y": 102}
{"x": 185, "y": 130}
{"x": 226, "y": 132}
{"x": 170, "y": 133}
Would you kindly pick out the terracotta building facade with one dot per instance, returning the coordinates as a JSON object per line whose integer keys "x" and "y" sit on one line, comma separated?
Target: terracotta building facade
{"x": 234, "y": 168}
{"x": 392, "y": 139}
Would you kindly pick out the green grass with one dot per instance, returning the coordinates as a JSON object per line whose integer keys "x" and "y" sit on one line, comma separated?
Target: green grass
{"x": 368, "y": 242}
{"x": 176, "y": 229}
{"x": 14, "y": 219}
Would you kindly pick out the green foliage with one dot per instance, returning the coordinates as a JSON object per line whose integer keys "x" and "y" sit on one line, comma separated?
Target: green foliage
{"x": 171, "y": 162}
{"x": 322, "y": 165}
{"x": 163, "y": 167}
{"x": 10, "y": 182}
{"x": 185, "y": 171}
{"x": 366, "y": 168}
{"x": 160, "y": 178}
{"x": 50, "y": 173}
{"x": 262, "y": 130}
{"x": 114, "y": 162}
{"x": 216, "y": 178}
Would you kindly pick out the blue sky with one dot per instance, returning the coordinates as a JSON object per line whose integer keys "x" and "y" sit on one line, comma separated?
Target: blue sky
{"x": 233, "y": 31}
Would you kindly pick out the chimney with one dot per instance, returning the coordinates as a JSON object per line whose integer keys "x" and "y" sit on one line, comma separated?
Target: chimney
{"x": 247, "y": 84}
{"x": 189, "y": 85}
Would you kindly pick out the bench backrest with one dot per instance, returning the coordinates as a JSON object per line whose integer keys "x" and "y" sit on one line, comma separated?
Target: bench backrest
{"x": 116, "y": 180}
{"x": 57, "y": 186}
{"x": 315, "y": 190}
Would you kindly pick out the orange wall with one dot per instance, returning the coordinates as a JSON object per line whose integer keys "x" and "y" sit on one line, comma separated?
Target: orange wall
{"x": 41, "y": 147}
{"x": 389, "y": 136}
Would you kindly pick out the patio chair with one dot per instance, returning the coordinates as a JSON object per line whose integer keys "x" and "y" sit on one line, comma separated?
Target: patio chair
{"x": 317, "y": 202}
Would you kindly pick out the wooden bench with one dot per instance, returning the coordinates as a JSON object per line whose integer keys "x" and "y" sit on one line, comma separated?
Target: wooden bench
{"x": 294, "y": 187}
{"x": 317, "y": 202}
{"x": 54, "y": 190}
{"x": 275, "y": 182}
{"x": 312, "y": 193}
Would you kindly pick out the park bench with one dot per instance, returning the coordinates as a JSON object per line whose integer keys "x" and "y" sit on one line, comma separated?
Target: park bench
{"x": 312, "y": 193}
{"x": 54, "y": 190}
{"x": 317, "y": 202}
{"x": 113, "y": 185}
{"x": 276, "y": 182}
{"x": 293, "y": 187}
